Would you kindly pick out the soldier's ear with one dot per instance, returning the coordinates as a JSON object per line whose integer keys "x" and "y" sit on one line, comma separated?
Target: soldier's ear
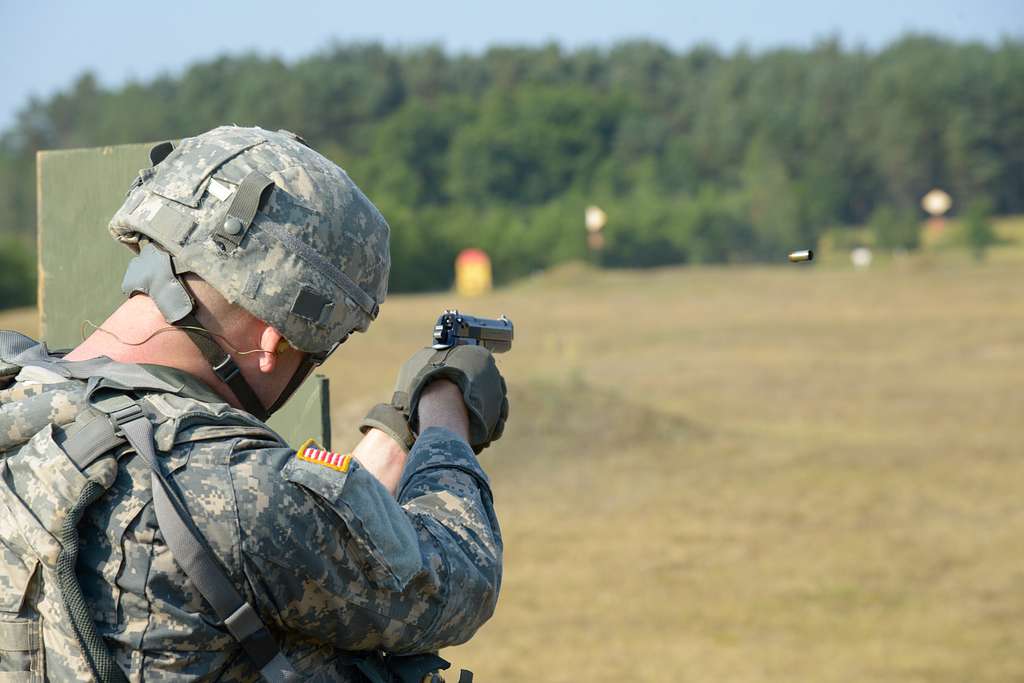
{"x": 271, "y": 343}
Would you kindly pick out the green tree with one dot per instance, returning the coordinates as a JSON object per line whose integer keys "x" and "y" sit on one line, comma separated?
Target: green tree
{"x": 17, "y": 272}
{"x": 896, "y": 228}
{"x": 978, "y": 232}
{"x": 773, "y": 200}
{"x": 410, "y": 152}
{"x": 698, "y": 156}
{"x": 529, "y": 145}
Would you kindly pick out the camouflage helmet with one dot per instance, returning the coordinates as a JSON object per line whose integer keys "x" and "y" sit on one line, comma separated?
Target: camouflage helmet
{"x": 268, "y": 222}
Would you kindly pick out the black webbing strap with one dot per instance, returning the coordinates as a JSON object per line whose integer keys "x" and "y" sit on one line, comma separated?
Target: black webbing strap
{"x": 191, "y": 553}
{"x": 223, "y": 365}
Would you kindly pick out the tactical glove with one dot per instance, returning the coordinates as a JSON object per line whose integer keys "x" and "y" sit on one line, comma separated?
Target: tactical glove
{"x": 473, "y": 370}
{"x": 392, "y": 422}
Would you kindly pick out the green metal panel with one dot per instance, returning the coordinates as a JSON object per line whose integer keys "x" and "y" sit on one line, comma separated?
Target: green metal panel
{"x": 80, "y": 266}
{"x": 307, "y": 415}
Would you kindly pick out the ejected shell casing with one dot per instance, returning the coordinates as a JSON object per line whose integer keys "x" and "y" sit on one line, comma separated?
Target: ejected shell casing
{"x": 803, "y": 255}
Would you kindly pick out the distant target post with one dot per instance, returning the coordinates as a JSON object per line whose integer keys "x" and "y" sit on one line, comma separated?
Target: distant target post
{"x": 473, "y": 275}
{"x": 594, "y": 219}
{"x": 936, "y": 204}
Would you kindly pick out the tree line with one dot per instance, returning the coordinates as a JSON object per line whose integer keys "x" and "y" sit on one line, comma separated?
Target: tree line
{"x": 696, "y": 156}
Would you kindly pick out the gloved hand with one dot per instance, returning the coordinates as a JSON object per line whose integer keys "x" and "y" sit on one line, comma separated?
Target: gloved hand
{"x": 473, "y": 370}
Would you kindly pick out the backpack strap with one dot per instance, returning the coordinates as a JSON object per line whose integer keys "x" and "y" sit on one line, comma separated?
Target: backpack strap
{"x": 14, "y": 344}
{"x": 128, "y": 423}
{"x": 100, "y": 661}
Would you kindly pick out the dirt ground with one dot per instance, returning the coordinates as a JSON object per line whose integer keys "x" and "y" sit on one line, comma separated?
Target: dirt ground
{"x": 746, "y": 474}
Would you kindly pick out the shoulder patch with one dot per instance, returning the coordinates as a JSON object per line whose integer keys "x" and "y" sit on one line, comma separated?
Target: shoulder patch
{"x": 319, "y": 456}
{"x": 308, "y": 443}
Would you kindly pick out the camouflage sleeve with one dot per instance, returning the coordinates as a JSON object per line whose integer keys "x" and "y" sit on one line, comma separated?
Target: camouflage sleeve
{"x": 331, "y": 555}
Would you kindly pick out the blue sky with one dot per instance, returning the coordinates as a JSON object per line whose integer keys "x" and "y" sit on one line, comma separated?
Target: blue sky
{"x": 45, "y": 44}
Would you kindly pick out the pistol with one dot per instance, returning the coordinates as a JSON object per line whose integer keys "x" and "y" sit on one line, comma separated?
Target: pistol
{"x": 454, "y": 328}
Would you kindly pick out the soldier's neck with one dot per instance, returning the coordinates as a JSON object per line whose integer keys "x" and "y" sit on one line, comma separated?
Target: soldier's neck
{"x": 137, "y": 333}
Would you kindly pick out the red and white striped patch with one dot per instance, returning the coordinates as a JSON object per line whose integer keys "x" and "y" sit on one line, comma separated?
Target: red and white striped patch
{"x": 336, "y": 461}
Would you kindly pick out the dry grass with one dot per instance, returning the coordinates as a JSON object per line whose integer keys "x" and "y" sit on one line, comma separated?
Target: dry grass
{"x": 24, "y": 320}
{"x": 765, "y": 474}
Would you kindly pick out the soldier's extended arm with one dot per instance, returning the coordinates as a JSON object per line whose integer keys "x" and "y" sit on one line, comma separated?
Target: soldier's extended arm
{"x": 331, "y": 554}
{"x": 329, "y": 551}
{"x": 385, "y": 457}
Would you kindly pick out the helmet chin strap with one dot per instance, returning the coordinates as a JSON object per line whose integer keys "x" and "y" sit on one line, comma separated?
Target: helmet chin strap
{"x": 301, "y": 373}
{"x": 224, "y": 366}
{"x": 152, "y": 273}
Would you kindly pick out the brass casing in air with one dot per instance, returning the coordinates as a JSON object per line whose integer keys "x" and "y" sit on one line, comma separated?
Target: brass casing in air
{"x": 803, "y": 255}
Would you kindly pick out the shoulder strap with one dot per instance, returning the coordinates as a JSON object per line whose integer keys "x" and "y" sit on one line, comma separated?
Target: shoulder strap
{"x": 14, "y": 344}
{"x": 128, "y": 422}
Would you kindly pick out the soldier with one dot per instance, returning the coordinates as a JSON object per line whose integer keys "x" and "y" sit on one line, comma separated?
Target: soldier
{"x": 153, "y": 528}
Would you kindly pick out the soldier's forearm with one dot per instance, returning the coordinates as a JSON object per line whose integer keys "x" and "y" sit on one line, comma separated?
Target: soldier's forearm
{"x": 381, "y": 456}
{"x": 442, "y": 405}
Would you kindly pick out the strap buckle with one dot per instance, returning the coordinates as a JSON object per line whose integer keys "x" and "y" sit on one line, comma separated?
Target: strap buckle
{"x": 226, "y": 370}
{"x": 254, "y": 637}
{"x": 123, "y": 416}
{"x": 243, "y": 622}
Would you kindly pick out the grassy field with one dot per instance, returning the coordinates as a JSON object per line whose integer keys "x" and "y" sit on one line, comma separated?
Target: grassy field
{"x": 762, "y": 474}
{"x": 941, "y": 243}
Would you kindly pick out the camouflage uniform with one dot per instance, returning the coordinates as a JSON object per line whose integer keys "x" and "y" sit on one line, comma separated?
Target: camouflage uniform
{"x": 338, "y": 570}
{"x": 334, "y": 565}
